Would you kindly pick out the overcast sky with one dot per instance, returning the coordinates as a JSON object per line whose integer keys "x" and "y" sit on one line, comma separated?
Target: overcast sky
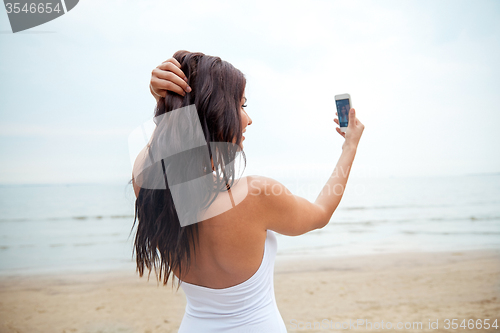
{"x": 424, "y": 77}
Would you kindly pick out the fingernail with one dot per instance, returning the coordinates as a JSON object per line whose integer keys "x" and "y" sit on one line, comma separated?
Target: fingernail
{"x": 188, "y": 89}
{"x": 186, "y": 79}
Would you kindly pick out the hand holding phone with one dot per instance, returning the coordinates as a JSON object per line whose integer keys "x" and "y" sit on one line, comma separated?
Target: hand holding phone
{"x": 344, "y": 104}
{"x": 348, "y": 120}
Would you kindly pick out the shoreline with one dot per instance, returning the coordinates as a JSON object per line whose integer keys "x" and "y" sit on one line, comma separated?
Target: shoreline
{"x": 283, "y": 261}
{"x": 394, "y": 287}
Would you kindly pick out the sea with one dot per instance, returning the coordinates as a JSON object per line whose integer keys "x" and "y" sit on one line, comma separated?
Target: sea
{"x": 74, "y": 228}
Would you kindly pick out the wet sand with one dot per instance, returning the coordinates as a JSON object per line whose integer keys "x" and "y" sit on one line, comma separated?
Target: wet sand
{"x": 397, "y": 288}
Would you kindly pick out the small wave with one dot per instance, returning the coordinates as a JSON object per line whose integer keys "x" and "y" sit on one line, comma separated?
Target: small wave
{"x": 417, "y": 206}
{"x": 402, "y": 221}
{"x": 99, "y": 217}
{"x": 391, "y": 207}
{"x": 78, "y": 218}
{"x": 103, "y": 234}
{"x": 409, "y": 232}
{"x": 373, "y": 222}
{"x": 359, "y": 231}
{"x": 85, "y": 244}
{"x": 358, "y": 222}
{"x": 470, "y": 218}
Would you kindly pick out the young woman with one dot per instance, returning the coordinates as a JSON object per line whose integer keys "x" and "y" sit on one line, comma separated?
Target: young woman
{"x": 225, "y": 263}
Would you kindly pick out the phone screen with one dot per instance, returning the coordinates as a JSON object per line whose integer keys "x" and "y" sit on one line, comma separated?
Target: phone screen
{"x": 343, "y": 108}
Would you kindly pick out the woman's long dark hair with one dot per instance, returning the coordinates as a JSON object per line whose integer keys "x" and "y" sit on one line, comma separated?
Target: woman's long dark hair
{"x": 217, "y": 90}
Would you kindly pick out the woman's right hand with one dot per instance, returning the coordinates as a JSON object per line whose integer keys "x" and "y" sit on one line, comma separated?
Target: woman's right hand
{"x": 353, "y": 132}
{"x": 168, "y": 76}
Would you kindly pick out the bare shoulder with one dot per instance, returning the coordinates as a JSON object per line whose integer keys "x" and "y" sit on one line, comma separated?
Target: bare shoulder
{"x": 270, "y": 195}
{"x": 265, "y": 186}
{"x": 282, "y": 211}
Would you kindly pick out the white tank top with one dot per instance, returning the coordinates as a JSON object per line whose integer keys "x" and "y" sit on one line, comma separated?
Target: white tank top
{"x": 246, "y": 307}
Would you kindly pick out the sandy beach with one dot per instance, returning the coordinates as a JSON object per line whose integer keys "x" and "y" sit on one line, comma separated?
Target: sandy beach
{"x": 405, "y": 288}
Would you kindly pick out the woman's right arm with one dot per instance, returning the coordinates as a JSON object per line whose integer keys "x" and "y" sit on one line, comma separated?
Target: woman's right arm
{"x": 168, "y": 76}
{"x": 292, "y": 215}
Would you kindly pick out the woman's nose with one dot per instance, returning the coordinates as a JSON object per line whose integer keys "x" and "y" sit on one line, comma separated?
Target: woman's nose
{"x": 249, "y": 119}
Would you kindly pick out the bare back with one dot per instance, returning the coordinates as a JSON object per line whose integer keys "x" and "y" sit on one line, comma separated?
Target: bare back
{"x": 231, "y": 245}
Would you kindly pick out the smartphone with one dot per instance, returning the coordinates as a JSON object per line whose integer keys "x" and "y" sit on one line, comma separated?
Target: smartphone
{"x": 344, "y": 104}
